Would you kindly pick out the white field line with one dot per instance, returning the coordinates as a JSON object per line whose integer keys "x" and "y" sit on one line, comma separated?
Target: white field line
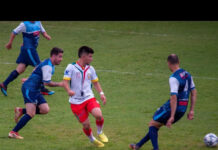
{"x": 130, "y": 73}
{"x": 113, "y": 31}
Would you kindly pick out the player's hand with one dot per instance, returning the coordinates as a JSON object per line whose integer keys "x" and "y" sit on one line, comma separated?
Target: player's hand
{"x": 48, "y": 37}
{"x": 8, "y": 46}
{"x": 190, "y": 115}
{"x": 169, "y": 122}
{"x": 23, "y": 80}
{"x": 103, "y": 98}
{"x": 71, "y": 93}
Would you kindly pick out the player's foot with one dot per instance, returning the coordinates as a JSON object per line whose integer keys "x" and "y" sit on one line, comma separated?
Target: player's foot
{"x": 18, "y": 112}
{"x": 98, "y": 143}
{"x": 45, "y": 91}
{"x": 133, "y": 146}
{"x": 14, "y": 135}
{"x": 103, "y": 137}
{"x": 3, "y": 89}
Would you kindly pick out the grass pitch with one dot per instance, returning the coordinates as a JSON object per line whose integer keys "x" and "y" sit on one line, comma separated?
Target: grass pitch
{"x": 130, "y": 60}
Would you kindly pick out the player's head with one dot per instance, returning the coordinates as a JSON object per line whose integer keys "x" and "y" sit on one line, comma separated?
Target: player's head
{"x": 173, "y": 61}
{"x": 85, "y": 54}
{"x": 56, "y": 55}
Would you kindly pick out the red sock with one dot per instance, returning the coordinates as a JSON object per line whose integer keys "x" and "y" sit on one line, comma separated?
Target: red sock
{"x": 100, "y": 122}
{"x": 87, "y": 131}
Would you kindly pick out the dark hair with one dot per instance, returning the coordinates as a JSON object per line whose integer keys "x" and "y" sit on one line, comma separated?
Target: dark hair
{"x": 85, "y": 49}
{"x": 56, "y": 51}
{"x": 173, "y": 59}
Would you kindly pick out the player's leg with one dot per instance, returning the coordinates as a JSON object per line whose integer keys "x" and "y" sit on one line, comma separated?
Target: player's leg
{"x": 94, "y": 107}
{"x": 42, "y": 109}
{"x": 82, "y": 115}
{"x": 30, "y": 113}
{"x": 12, "y": 76}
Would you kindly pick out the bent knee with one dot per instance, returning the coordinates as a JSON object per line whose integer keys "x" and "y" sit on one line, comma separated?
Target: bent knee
{"x": 44, "y": 110}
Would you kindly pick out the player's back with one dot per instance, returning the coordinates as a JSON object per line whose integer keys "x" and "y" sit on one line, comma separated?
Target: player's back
{"x": 182, "y": 81}
{"x": 35, "y": 80}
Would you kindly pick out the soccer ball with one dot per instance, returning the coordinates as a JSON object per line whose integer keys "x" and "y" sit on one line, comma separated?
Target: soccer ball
{"x": 210, "y": 140}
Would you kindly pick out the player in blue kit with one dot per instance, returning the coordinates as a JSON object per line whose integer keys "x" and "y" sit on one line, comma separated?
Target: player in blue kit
{"x": 181, "y": 85}
{"x": 33, "y": 99}
{"x": 28, "y": 54}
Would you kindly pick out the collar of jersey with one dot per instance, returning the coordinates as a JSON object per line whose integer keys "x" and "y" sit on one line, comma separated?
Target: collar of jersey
{"x": 83, "y": 68}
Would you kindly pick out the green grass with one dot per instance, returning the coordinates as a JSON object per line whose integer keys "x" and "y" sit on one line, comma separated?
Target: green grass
{"x": 130, "y": 60}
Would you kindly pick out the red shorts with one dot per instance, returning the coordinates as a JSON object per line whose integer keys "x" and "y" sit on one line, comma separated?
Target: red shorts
{"x": 81, "y": 111}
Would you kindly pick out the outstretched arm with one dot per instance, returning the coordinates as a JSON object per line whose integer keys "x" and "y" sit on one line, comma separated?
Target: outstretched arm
{"x": 9, "y": 44}
{"x": 193, "y": 100}
{"x": 100, "y": 91}
{"x": 54, "y": 84}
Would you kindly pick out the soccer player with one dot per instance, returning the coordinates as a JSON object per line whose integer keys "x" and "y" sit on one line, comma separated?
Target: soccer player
{"x": 33, "y": 99}
{"x": 28, "y": 53}
{"x": 181, "y": 85}
{"x": 81, "y": 76}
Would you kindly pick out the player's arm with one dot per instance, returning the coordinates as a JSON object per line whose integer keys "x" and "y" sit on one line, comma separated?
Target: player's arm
{"x": 173, "y": 105}
{"x": 67, "y": 78}
{"x": 100, "y": 91}
{"x": 17, "y": 30}
{"x": 193, "y": 100}
{"x": 67, "y": 87}
{"x": 44, "y": 33}
{"x": 174, "y": 86}
{"x": 53, "y": 84}
{"x": 46, "y": 77}
{"x": 9, "y": 44}
{"x": 97, "y": 85}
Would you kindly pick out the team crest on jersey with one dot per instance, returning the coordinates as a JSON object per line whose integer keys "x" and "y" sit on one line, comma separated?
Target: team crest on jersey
{"x": 66, "y": 72}
{"x": 89, "y": 76}
{"x": 183, "y": 75}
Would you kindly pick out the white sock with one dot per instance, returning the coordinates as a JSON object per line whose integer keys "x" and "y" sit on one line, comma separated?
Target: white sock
{"x": 99, "y": 129}
{"x": 91, "y": 137}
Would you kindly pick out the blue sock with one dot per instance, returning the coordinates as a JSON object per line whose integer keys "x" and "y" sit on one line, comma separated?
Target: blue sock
{"x": 153, "y": 136}
{"x": 11, "y": 77}
{"x": 143, "y": 140}
{"x": 24, "y": 110}
{"x": 23, "y": 121}
{"x": 42, "y": 86}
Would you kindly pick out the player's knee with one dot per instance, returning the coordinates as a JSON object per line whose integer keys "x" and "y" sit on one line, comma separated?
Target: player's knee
{"x": 45, "y": 110}
{"x": 31, "y": 114}
{"x": 86, "y": 125}
{"x": 99, "y": 117}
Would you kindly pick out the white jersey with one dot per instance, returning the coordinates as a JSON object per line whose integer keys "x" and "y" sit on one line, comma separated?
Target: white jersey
{"x": 80, "y": 82}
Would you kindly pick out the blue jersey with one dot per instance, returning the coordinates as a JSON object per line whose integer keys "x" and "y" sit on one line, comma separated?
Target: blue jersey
{"x": 181, "y": 84}
{"x": 31, "y": 32}
{"x": 41, "y": 74}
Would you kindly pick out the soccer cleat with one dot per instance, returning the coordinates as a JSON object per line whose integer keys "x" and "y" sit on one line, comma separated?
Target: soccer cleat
{"x": 18, "y": 112}
{"x": 103, "y": 137}
{"x": 98, "y": 143}
{"x": 14, "y": 135}
{"x": 133, "y": 146}
{"x": 3, "y": 89}
{"x": 45, "y": 91}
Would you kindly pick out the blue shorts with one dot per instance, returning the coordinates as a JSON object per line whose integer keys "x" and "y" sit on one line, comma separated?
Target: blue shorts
{"x": 162, "y": 115}
{"x": 32, "y": 96}
{"x": 28, "y": 56}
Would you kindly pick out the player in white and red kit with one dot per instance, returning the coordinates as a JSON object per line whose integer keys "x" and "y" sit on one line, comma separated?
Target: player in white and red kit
{"x": 81, "y": 76}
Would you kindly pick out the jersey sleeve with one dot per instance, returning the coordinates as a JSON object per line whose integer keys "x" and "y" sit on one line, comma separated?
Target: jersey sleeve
{"x": 94, "y": 76}
{"x": 174, "y": 86}
{"x": 192, "y": 84}
{"x": 42, "y": 28}
{"x": 46, "y": 73}
{"x": 19, "y": 29}
{"x": 68, "y": 72}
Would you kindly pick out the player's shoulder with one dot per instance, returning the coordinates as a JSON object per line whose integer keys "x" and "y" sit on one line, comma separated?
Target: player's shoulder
{"x": 71, "y": 65}
{"x": 47, "y": 62}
